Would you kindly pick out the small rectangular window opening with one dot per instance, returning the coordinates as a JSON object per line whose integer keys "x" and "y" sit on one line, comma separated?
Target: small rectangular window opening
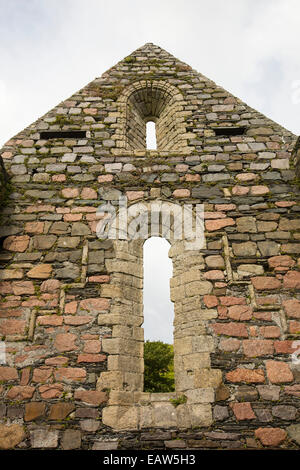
{"x": 62, "y": 134}
{"x": 230, "y": 130}
{"x": 151, "y": 136}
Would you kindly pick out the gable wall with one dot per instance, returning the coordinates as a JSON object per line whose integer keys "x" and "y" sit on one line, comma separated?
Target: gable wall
{"x": 61, "y": 319}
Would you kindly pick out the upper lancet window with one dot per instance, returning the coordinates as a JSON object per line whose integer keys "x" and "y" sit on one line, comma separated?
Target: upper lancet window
{"x": 157, "y": 104}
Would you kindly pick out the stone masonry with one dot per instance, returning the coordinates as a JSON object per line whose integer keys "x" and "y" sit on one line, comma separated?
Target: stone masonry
{"x": 72, "y": 304}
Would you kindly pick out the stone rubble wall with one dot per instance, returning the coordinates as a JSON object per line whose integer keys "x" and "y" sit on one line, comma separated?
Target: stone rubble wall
{"x": 71, "y": 313}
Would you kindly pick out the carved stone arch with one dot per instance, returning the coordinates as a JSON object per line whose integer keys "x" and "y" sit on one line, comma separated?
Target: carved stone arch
{"x": 129, "y": 407}
{"x": 156, "y": 101}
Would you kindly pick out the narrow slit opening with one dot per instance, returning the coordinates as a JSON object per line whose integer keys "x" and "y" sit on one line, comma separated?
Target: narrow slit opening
{"x": 151, "y": 136}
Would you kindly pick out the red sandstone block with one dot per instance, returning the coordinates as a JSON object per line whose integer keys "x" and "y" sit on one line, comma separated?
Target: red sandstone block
{"x": 246, "y": 375}
{"x": 212, "y": 225}
{"x": 50, "y": 285}
{"x": 88, "y": 193}
{"x": 72, "y": 217}
{"x": 293, "y": 390}
{"x": 94, "y": 305}
{"x": 240, "y": 312}
{"x": 270, "y": 331}
{"x": 49, "y": 320}
{"x": 210, "y": 301}
{"x": 279, "y": 372}
{"x": 133, "y": 195}
{"x": 90, "y": 397}
{"x": 259, "y": 190}
{"x": 91, "y": 358}
{"x": 92, "y": 346}
{"x": 270, "y": 436}
{"x": 57, "y": 361}
{"x": 71, "y": 307}
{"x": 59, "y": 178}
{"x": 214, "y": 274}
{"x": 42, "y": 374}
{"x": 22, "y": 287}
{"x": 70, "y": 374}
{"x": 281, "y": 261}
{"x": 34, "y": 227}
{"x": 294, "y": 327}
{"x": 105, "y": 178}
{"x": 225, "y": 207}
{"x": 265, "y": 283}
{"x": 16, "y": 243}
{"x": 70, "y": 192}
{"x": 12, "y": 327}
{"x": 51, "y": 391}
{"x": 77, "y": 320}
{"x": 8, "y": 373}
{"x": 292, "y": 308}
{"x": 284, "y": 347}
{"x": 34, "y": 410}
{"x": 243, "y": 411}
{"x": 25, "y": 376}
{"x": 14, "y": 312}
{"x": 292, "y": 280}
{"x": 285, "y": 203}
{"x": 40, "y": 208}
{"x": 19, "y": 392}
{"x": 265, "y": 316}
{"x": 181, "y": 193}
{"x": 230, "y": 329}
{"x": 190, "y": 177}
{"x": 5, "y": 288}
{"x": 238, "y": 190}
{"x": 228, "y": 301}
{"x": 222, "y": 312}
{"x": 65, "y": 342}
{"x": 41, "y": 271}
{"x": 230, "y": 344}
{"x": 257, "y": 347}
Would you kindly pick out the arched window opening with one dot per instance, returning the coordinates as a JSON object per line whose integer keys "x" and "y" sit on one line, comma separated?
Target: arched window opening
{"x": 158, "y": 317}
{"x": 151, "y": 136}
{"x": 155, "y": 102}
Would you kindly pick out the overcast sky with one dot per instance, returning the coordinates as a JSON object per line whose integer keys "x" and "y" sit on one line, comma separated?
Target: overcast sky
{"x": 51, "y": 48}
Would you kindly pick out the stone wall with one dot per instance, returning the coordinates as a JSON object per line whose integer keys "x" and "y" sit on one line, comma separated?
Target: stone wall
{"x": 72, "y": 316}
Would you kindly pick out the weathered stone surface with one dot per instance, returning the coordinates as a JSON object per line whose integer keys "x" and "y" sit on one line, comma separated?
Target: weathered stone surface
{"x": 243, "y": 411}
{"x": 279, "y": 372}
{"x": 16, "y": 243}
{"x": 270, "y": 436}
{"x": 11, "y": 435}
{"x": 44, "y": 438}
{"x": 220, "y": 413}
{"x": 60, "y": 410}
{"x": 41, "y": 271}
{"x": 269, "y": 392}
{"x": 246, "y": 375}
{"x": 294, "y": 432}
{"x": 34, "y": 410}
{"x": 284, "y": 412}
{"x": 71, "y": 439}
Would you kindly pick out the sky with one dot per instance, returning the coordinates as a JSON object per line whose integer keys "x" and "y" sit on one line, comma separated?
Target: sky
{"x": 49, "y": 49}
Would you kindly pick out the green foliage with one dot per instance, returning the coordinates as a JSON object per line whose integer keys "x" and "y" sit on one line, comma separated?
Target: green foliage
{"x": 178, "y": 401}
{"x": 159, "y": 367}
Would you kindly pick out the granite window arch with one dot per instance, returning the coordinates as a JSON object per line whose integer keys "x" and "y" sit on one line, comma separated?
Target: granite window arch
{"x": 155, "y": 101}
{"x": 129, "y": 407}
